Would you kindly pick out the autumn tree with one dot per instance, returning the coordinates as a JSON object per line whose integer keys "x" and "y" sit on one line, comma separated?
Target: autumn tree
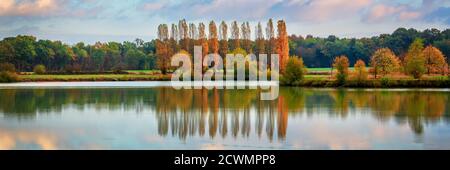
{"x": 383, "y": 62}
{"x": 235, "y": 36}
{"x": 260, "y": 44}
{"x": 162, "y": 48}
{"x": 246, "y": 33}
{"x": 341, "y": 64}
{"x": 282, "y": 47}
{"x": 174, "y": 38}
{"x": 360, "y": 71}
{"x": 415, "y": 60}
{"x": 213, "y": 38}
{"x": 193, "y": 34}
{"x": 270, "y": 40}
{"x": 223, "y": 37}
{"x": 202, "y": 40}
{"x": 434, "y": 60}
{"x": 184, "y": 34}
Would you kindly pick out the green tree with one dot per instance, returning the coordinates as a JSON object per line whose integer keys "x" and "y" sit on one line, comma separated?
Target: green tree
{"x": 415, "y": 59}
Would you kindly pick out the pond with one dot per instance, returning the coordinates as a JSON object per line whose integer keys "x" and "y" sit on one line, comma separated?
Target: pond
{"x": 151, "y": 115}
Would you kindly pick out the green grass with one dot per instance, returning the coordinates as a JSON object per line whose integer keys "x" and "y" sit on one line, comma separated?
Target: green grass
{"x": 92, "y": 77}
{"x": 325, "y": 69}
{"x": 317, "y": 77}
{"x": 143, "y": 71}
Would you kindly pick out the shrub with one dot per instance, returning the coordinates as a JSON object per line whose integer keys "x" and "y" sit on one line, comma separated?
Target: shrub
{"x": 7, "y": 67}
{"x": 295, "y": 71}
{"x": 75, "y": 68}
{"x": 7, "y": 77}
{"x": 385, "y": 82}
{"x": 39, "y": 69}
{"x": 341, "y": 64}
{"x": 119, "y": 68}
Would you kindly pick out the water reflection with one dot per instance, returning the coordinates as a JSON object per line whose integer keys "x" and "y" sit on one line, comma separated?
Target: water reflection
{"x": 239, "y": 113}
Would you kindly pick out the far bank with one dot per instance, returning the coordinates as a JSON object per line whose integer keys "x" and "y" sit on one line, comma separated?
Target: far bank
{"x": 309, "y": 80}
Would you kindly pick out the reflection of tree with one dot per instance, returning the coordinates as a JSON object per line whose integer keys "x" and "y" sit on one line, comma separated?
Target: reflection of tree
{"x": 384, "y": 104}
{"x": 341, "y": 101}
{"x": 282, "y": 118}
{"x": 185, "y": 113}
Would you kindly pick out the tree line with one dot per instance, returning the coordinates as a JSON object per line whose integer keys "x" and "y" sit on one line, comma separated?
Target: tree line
{"x": 26, "y": 52}
{"x": 321, "y": 52}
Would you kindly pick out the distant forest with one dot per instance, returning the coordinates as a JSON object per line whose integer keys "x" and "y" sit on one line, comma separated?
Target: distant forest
{"x": 316, "y": 52}
{"x": 25, "y": 52}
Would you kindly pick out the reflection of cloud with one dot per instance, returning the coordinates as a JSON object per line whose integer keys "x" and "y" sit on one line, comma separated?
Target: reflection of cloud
{"x": 6, "y": 142}
{"x": 338, "y": 140}
{"x": 8, "y": 139}
{"x": 212, "y": 147}
{"x": 154, "y": 139}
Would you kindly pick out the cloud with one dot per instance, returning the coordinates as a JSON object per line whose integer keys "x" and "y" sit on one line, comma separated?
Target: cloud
{"x": 153, "y": 6}
{"x": 211, "y": 9}
{"x": 44, "y": 8}
{"x": 319, "y": 10}
{"x": 427, "y": 10}
{"x": 29, "y": 7}
{"x": 313, "y": 11}
{"x": 381, "y": 12}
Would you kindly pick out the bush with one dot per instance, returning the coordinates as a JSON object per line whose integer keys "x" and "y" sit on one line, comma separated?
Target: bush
{"x": 341, "y": 79}
{"x": 7, "y": 67}
{"x": 75, "y": 68}
{"x": 39, "y": 69}
{"x": 8, "y": 77}
{"x": 295, "y": 72}
{"x": 119, "y": 68}
{"x": 385, "y": 82}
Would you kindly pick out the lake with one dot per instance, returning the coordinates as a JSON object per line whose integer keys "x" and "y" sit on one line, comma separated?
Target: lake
{"x": 151, "y": 115}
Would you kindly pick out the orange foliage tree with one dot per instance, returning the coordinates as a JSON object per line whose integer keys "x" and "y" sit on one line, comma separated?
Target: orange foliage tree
{"x": 282, "y": 46}
{"x": 360, "y": 71}
{"x": 434, "y": 60}
{"x": 384, "y": 61}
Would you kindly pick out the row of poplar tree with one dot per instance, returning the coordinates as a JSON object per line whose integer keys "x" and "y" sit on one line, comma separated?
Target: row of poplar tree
{"x": 223, "y": 39}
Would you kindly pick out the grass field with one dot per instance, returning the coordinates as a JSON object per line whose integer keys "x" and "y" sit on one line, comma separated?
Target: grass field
{"x": 155, "y": 75}
{"x": 325, "y": 69}
{"x": 93, "y": 77}
{"x": 143, "y": 71}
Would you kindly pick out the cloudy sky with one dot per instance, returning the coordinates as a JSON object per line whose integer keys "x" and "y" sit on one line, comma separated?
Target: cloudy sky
{"x": 119, "y": 20}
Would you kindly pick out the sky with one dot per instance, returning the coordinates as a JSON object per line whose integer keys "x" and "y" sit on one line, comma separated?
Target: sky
{"x": 73, "y": 21}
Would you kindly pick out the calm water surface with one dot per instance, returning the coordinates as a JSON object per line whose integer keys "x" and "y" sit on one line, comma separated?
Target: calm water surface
{"x": 150, "y": 115}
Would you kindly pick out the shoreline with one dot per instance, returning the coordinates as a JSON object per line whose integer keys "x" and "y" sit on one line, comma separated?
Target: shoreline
{"x": 315, "y": 83}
